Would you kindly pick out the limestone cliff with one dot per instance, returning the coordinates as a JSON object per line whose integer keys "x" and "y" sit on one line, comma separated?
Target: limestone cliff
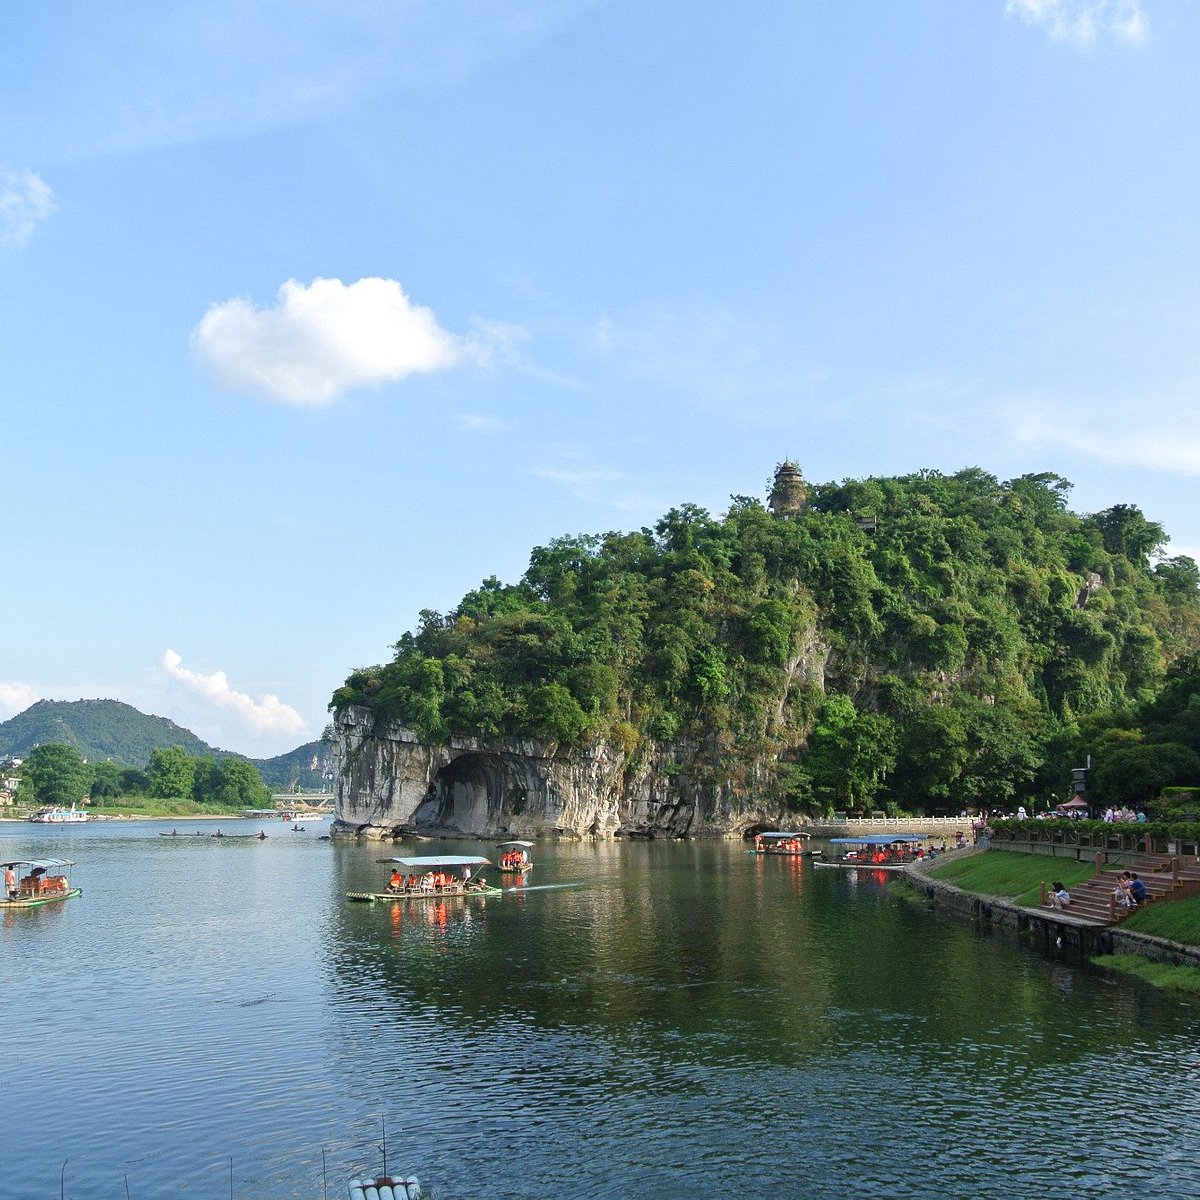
{"x": 390, "y": 781}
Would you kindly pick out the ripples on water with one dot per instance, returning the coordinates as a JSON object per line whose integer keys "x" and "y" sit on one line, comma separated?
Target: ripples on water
{"x": 675, "y": 1021}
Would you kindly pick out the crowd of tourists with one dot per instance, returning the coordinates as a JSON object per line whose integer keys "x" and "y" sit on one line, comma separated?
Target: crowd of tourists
{"x": 431, "y": 882}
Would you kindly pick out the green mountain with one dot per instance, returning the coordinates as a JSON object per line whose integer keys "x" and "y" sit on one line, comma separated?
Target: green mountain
{"x": 108, "y": 730}
{"x": 100, "y": 730}
{"x": 947, "y": 640}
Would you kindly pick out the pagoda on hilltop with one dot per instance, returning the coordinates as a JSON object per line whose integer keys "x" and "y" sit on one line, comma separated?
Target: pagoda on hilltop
{"x": 788, "y": 495}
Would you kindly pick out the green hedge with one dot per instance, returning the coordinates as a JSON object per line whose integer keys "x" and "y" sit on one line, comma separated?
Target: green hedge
{"x": 1096, "y": 833}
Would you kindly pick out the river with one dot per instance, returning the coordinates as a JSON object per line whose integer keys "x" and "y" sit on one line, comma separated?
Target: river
{"x": 212, "y": 1018}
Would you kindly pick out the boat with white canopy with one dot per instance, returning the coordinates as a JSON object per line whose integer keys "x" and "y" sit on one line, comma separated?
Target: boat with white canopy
{"x": 514, "y": 857}
{"x": 432, "y": 876}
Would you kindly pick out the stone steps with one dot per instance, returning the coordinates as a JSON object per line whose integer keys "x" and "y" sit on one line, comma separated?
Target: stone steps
{"x": 1163, "y": 877}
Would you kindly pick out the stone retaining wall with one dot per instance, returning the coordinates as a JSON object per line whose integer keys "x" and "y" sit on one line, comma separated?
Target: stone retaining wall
{"x": 1050, "y": 930}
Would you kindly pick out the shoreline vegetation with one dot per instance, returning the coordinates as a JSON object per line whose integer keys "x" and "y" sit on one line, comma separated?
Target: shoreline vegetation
{"x": 1018, "y": 877}
{"x": 179, "y": 810}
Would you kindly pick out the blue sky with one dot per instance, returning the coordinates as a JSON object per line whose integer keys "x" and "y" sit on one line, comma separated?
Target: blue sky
{"x": 314, "y": 315}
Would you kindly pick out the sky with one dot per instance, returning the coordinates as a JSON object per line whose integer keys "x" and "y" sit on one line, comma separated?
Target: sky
{"x": 316, "y": 315}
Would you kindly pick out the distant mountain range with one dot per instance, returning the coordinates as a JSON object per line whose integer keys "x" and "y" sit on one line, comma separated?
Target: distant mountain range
{"x": 107, "y": 730}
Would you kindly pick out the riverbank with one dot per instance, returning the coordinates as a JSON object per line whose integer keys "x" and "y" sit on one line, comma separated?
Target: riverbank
{"x": 92, "y": 815}
{"x": 1163, "y": 962}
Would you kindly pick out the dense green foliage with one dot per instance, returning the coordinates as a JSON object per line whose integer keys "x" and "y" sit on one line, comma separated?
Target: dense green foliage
{"x": 55, "y": 774}
{"x": 941, "y": 660}
{"x": 173, "y": 774}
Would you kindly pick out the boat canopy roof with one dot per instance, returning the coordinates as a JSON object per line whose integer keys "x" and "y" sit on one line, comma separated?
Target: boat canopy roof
{"x": 772, "y": 834}
{"x": 46, "y": 864}
{"x": 514, "y": 842}
{"x": 430, "y": 862}
{"x": 880, "y": 839}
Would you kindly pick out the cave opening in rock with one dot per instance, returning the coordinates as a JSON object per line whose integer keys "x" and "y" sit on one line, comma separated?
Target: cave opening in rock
{"x": 471, "y": 794}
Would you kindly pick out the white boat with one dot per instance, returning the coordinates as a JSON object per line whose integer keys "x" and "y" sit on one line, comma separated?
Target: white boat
{"x": 296, "y": 816}
{"x": 52, "y": 814}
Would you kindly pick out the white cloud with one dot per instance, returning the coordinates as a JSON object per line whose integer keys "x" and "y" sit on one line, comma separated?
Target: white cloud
{"x": 600, "y": 485}
{"x": 495, "y": 343}
{"x": 711, "y": 355}
{"x": 479, "y": 423}
{"x": 124, "y": 75}
{"x": 260, "y": 714}
{"x": 25, "y": 200}
{"x": 321, "y": 341}
{"x": 1167, "y": 446}
{"x": 1081, "y": 22}
{"x": 15, "y": 698}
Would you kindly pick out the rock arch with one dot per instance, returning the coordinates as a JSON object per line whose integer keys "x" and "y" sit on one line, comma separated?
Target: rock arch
{"x": 390, "y": 782}
{"x": 475, "y": 792}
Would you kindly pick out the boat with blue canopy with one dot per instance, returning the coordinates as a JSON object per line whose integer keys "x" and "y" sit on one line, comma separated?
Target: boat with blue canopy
{"x": 45, "y": 881}
{"x": 432, "y": 876}
{"x": 878, "y": 851}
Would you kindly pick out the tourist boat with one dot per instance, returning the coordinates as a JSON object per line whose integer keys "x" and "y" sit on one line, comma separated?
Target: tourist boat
{"x": 426, "y": 869}
{"x": 877, "y": 851}
{"x": 53, "y": 814}
{"x": 514, "y": 857}
{"x": 295, "y": 815}
{"x": 781, "y": 843}
{"x": 298, "y": 816}
{"x": 38, "y": 885}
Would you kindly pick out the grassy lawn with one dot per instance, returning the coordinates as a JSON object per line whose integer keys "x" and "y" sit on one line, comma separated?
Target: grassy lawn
{"x": 1011, "y": 876}
{"x": 1175, "y": 920}
{"x": 148, "y": 806}
{"x": 1180, "y": 979}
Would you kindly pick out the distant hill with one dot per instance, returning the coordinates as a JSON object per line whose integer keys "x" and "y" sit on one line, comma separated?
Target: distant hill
{"x": 100, "y": 730}
{"x": 108, "y": 730}
{"x": 308, "y": 767}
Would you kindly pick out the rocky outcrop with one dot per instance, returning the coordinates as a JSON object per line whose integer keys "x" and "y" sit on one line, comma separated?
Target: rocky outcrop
{"x": 390, "y": 782}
